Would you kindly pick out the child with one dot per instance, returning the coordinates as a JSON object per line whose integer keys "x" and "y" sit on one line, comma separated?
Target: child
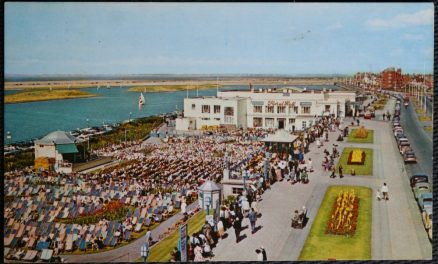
{"x": 378, "y": 197}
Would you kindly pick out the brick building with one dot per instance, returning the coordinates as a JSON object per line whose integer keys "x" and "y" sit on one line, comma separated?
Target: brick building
{"x": 392, "y": 79}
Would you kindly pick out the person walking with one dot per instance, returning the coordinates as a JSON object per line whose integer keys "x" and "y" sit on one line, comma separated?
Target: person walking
{"x": 341, "y": 175}
{"x": 237, "y": 226}
{"x": 252, "y": 219}
{"x": 333, "y": 175}
{"x": 309, "y": 163}
{"x": 384, "y": 190}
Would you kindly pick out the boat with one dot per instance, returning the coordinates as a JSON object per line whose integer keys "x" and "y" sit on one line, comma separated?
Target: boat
{"x": 141, "y": 101}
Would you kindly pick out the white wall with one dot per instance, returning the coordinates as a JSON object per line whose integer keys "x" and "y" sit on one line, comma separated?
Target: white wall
{"x": 45, "y": 151}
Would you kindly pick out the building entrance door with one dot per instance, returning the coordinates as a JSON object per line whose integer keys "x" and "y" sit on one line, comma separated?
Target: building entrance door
{"x": 281, "y": 123}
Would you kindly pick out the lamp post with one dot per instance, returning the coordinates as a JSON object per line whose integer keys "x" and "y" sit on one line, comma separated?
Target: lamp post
{"x": 9, "y": 137}
{"x": 245, "y": 178}
{"x": 130, "y": 113}
{"x": 126, "y": 130}
{"x": 88, "y": 122}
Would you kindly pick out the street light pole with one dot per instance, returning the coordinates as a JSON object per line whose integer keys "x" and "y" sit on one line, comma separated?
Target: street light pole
{"x": 88, "y": 122}
{"x": 9, "y": 137}
{"x": 130, "y": 113}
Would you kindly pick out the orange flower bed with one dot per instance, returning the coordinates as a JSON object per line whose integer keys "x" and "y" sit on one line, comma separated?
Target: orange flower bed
{"x": 343, "y": 219}
{"x": 356, "y": 157}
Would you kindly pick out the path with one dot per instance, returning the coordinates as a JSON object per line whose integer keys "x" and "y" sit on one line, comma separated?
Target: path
{"x": 130, "y": 252}
{"x": 397, "y": 230}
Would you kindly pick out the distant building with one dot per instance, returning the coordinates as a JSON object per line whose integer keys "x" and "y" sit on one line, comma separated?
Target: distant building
{"x": 56, "y": 151}
{"x": 392, "y": 79}
{"x": 281, "y": 108}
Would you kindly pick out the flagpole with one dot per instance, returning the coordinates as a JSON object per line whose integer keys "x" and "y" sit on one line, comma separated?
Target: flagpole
{"x": 217, "y": 85}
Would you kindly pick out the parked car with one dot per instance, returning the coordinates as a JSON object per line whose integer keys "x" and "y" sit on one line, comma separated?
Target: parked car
{"x": 401, "y": 138}
{"x": 409, "y": 157}
{"x": 396, "y": 127}
{"x": 404, "y": 146}
{"x": 398, "y": 131}
{"x": 420, "y": 188}
{"x": 425, "y": 200}
{"x": 427, "y": 221}
{"x": 418, "y": 177}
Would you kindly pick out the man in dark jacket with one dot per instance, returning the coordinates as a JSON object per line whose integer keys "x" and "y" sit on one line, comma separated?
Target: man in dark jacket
{"x": 236, "y": 226}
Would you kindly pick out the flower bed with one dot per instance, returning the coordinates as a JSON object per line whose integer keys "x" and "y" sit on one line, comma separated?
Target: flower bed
{"x": 356, "y": 157}
{"x": 344, "y": 215}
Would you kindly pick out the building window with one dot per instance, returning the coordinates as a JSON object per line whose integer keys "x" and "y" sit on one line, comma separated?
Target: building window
{"x": 296, "y": 109}
{"x": 304, "y": 125}
{"x": 193, "y": 106}
{"x": 229, "y": 111}
{"x": 305, "y": 110}
{"x": 269, "y": 109}
{"x": 237, "y": 190}
{"x": 258, "y": 109}
{"x": 327, "y": 108}
{"x": 291, "y": 120}
{"x": 217, "y": 109}
{"x": 205, "y": 109}
{"x": 281, "y": 109}
{"x": 269, "y": 122}
{"x": 205, "y": 118}
{"x": 257, "y": 122}
{"x": 217, "y": 119}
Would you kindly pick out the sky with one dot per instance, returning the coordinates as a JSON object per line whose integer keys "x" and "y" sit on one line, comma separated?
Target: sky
{"x": 217, "y": 38}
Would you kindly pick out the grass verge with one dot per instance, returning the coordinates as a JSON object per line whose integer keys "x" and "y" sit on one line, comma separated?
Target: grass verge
{"x": 369, "y": 139}
{"x": 428, "y": 128}
{"x": 365, "y": 169}
{"x": 29, "y": 95}
{"x": 170, "y": 88}
{"x": 321, "y": 246}
{"x": 161, "y": 251}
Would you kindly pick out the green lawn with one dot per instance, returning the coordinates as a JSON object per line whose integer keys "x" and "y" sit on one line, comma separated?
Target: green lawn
{"x": 365, "y": 169}
{"x": 30, "y": 95}
{"x": 321, "y": 246}
{"x": 161, "y": 251}
{"x": 368, "y": 139}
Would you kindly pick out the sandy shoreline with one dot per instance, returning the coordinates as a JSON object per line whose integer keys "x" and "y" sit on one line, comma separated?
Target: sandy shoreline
{"x": 117, "y": 83}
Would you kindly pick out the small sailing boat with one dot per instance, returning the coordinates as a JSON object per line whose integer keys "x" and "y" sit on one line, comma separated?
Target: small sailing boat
{"x": 141, "y": 101}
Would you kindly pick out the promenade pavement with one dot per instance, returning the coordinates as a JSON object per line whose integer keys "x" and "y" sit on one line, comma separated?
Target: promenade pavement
{"x": 397, "y": 230}
{"x": 130, "y": 252}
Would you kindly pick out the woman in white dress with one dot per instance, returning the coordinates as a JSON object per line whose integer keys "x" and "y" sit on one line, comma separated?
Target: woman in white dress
{"x": 198, "y": 254}
{"x": 220, "y": 229}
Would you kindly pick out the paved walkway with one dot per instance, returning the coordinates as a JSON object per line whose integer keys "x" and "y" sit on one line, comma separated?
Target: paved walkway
{"x": 397, "y": 231}
{"x": 130, "y": 252}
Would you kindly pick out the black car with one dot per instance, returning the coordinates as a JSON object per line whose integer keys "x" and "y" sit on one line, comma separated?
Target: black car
{"x": 418, "y": 177}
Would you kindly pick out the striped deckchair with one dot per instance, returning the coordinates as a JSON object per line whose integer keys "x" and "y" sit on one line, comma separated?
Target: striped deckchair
{"x": 138, "y": 227}
{"x": 114, "y": 242}
{"x": 148, "y": 222}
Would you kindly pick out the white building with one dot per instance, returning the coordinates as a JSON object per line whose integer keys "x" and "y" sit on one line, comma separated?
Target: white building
{"x": 285, "y": 108}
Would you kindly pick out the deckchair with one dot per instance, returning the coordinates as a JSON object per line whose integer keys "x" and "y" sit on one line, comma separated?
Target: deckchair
{"x": 30, "y": 255}
{"x": 69, "y": 243}
{"x": 46, "y": 254}
{"x": 137, "y": 227}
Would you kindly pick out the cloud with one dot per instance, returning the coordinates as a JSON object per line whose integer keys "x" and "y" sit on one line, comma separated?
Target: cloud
{"x": 335, "y": 26}
{"x": 420, "y": 18}
{"x": 413, "y": 36}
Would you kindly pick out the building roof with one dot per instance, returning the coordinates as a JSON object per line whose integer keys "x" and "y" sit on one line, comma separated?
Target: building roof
{"x": 58, "y": 138}
{"x": 209, "y": 186}
{"x": 280, "y": 135}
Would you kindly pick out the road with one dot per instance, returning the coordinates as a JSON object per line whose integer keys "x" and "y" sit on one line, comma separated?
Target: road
{"x": 420, "y": 141}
